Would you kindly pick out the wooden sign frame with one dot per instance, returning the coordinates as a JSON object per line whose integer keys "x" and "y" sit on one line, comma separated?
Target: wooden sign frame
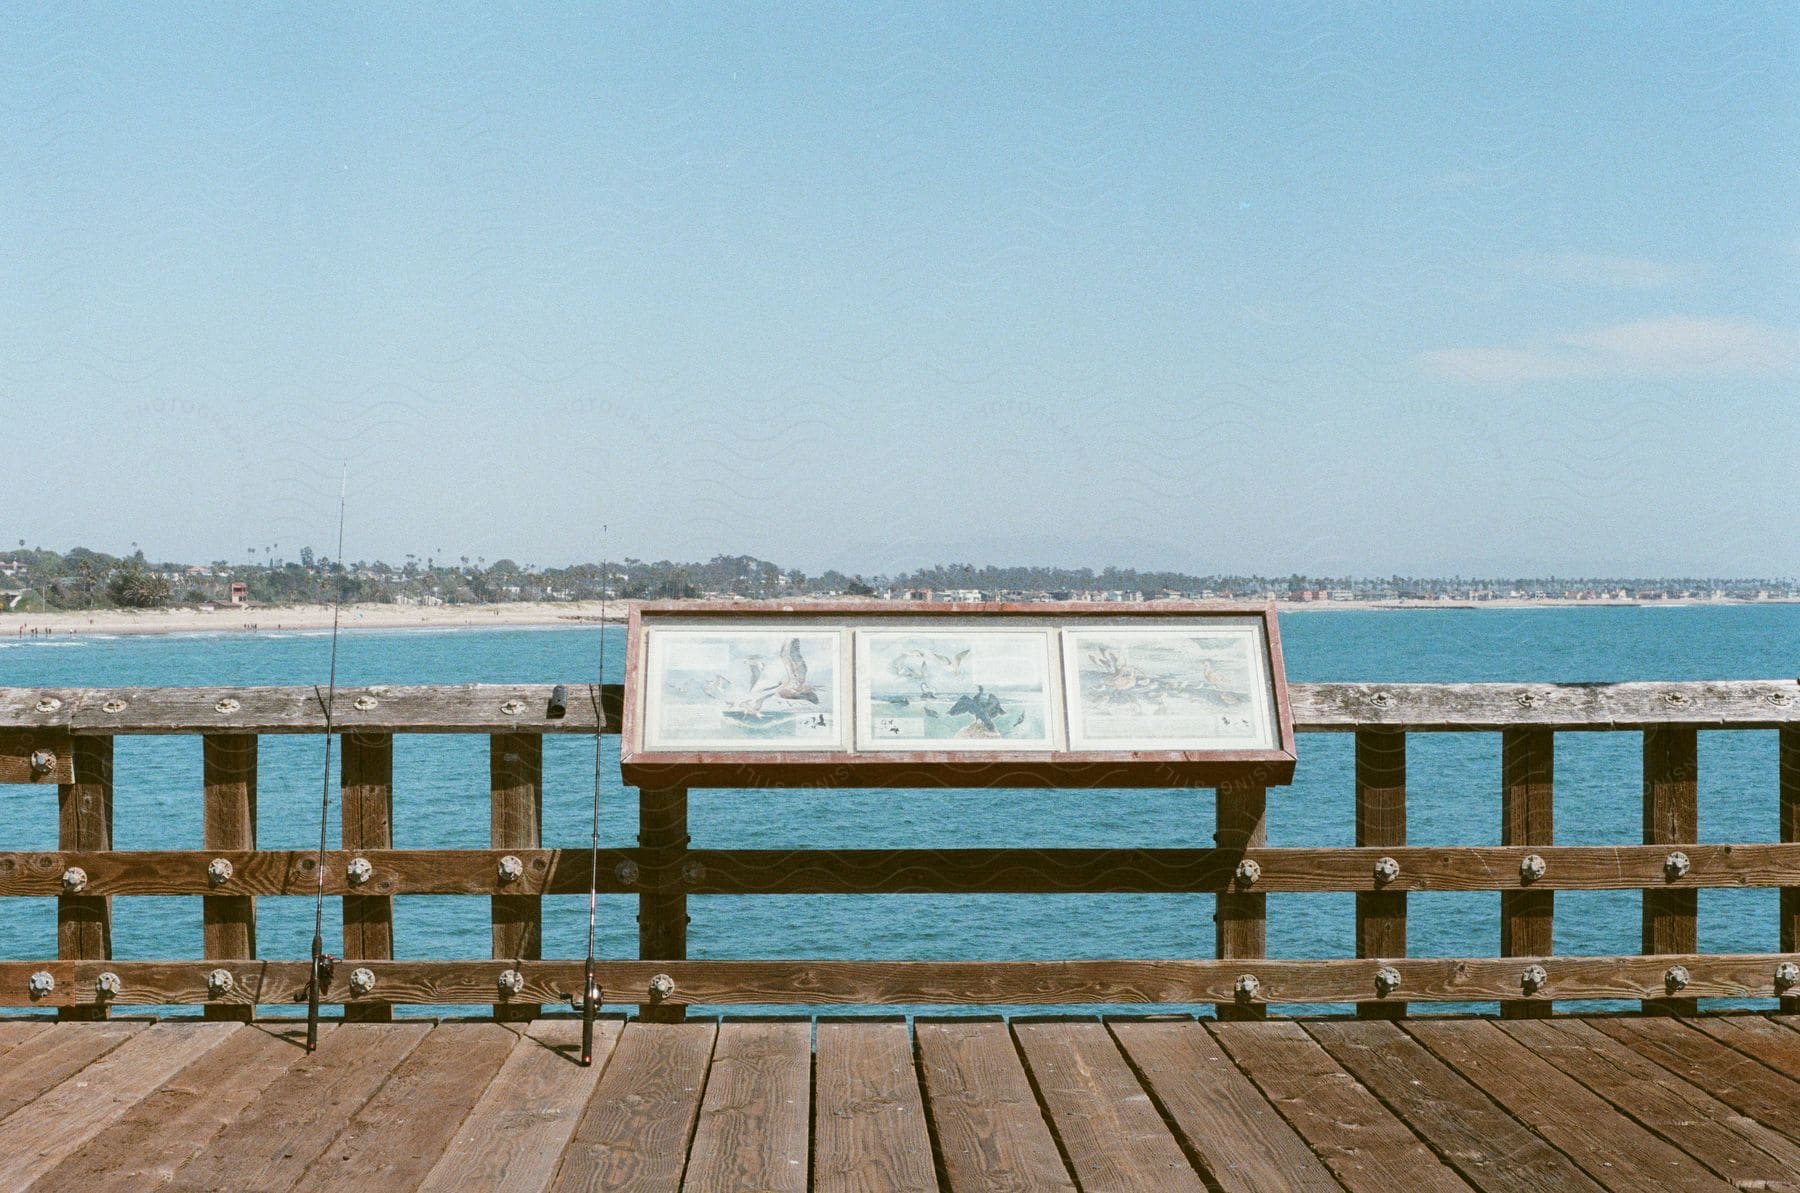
{"x": 839, "y": 762}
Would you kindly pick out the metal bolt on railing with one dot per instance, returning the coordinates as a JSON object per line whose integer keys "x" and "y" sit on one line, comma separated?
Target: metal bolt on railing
{"x": 1532, "y": 867}
{"x": 227, "y": 704}
{"x": 513, "y": 707}
{"x": 74, "y": 880}
{"x": 219, "y": 983}
{"x": 1533, "y": 979}
{"x": 512, "y": 868}
{"x": 108, "y": 985}
{"x": 1676, "y": 865}
{"x": 1246, "y": 987}
{"x": 48, "y": 704}
{"x": 626, "y": 872}
{"x": 219, "y": 871}
{"x": 41, "y": 984}
{"x": 511, "y": 982}
{"x": 359, "y": 871}
{"x": 1387, "y": 980}
{"x": 692, "y": 872}
{"x": 1676, "y": 977}
{"x": 1386, "y": 870}
{"x": 362, "y": 980}
{"x": 661, "y": 986}
{"x": 1248, "y": 872}
{"x": 1787, "y": 975}
{"x": 42, "y": 763}
{"x": 364, "y": 703}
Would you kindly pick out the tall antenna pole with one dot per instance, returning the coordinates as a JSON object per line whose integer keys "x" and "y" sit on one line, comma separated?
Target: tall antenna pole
{"x": 321, "y": 964}
{"x": 590, "y": 993}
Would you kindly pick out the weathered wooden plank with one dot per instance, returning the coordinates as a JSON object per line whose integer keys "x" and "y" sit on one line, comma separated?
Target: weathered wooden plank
{"x": 662, "y": 903}
{"x": 1240, "y": 918}
{"x": 157, "y": 1135}
{"x": 516, "y": 773}
{"x": 14, "y": 1032}
{"x": 516, "y": 1133}
{"x": 1226, "y": 1125}
{"x": 50, "y": 1057}
{"x": 1611, "y": 1148}
{"x": 279, "y": 1135}
{"x": 228, "y": 821}
{"x": 36, "y": 756}
{"x": 1109, "y": 1128}
{"x": 964, "y": 983}
{"x": 990, "y": 1132}
{"x": 1427, "y": 707}
{"x": 405, "y": 1129}
{"x": 1460, "y": 1123}
{"x": 753, "y": 1128}
{"x": 1360, "y": 1141}
{"x": 1756, "y": 1037}
{"x": 1737, "y": 1148}
{"x": 1381, "y": 822}
{"x": 1788, "y": 770}
{"x": 900, "y": 871}
{"x": 38, "y": 708}
{"x": 1671, "y": 817}
{"x": 38, "y": 1136}
{"x": 1726, "y": 1073}
{"x": 85, "y": 821}
{"x": 434, "y": 708}
{"x": 634, "y": 1132}
{"x": 1527, "y": 817}
{"x": 486, "y": 708}
{"x": 368, "y": 823}
{"x": 869, "y": 1129}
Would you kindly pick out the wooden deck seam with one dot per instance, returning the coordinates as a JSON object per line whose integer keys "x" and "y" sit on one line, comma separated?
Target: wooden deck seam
{"x": 693, "y": 1127}
{"x": 1037, "y": 1094}
{"x": 1188, "y": 1148}
{"x": 940, "y": 1169}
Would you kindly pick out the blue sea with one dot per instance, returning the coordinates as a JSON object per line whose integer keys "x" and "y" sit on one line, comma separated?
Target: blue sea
{"x": 441, "y": 797}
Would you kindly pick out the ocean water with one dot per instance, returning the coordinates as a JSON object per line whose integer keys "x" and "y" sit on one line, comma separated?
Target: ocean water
{"x": 441, "y": 797}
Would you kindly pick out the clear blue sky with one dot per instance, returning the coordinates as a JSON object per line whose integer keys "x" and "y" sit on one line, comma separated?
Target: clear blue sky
{"x": 1504, "y": 289}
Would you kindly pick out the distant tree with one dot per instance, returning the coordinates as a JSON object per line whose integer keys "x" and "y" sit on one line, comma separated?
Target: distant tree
{"x": 856, "y": 587}
{"x": 134, "y": 587}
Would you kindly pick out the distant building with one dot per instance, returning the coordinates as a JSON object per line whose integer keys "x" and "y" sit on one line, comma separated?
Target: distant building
{"x": 240, "y": 592}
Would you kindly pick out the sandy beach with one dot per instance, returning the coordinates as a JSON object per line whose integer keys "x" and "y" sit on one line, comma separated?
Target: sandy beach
{"x": 524, "y": 614}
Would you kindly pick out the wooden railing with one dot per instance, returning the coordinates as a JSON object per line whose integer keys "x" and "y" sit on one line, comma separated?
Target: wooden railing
{"x": 65, "y": 738}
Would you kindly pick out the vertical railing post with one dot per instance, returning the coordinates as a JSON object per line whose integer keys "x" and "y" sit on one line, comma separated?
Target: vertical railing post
{"x": 1789, "y": 768}
{"x": 1240, "y": 921}
{"x": 1380, "y": 820}
{"x": 516, "y": 769}
{"x": 368, "y": 811}
{"x": 1527, "y": 817}
{"x": 662, "y": 894}
{"x": 228, "y": 822}
{"x": 1671, "y": 817}
{"x": 84, "y": 822}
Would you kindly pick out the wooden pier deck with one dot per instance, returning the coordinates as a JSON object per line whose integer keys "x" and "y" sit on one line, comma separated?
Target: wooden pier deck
{"x": 1619, "y": 1102}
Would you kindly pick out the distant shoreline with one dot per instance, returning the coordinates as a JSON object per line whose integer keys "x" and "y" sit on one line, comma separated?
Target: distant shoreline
{"x": 568, "y": 615}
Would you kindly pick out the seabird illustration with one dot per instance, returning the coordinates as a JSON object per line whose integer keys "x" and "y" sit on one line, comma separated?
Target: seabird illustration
{"x": 952, "y": 661}
{"x": 789, "y": 684}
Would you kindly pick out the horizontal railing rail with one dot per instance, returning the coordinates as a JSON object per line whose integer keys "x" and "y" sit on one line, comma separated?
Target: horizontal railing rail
{"x": 63, "y": 737}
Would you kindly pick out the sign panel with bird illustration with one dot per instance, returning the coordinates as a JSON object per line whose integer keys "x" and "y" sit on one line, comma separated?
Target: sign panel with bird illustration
{"x": 735, "y": 688}
{"x": 956, "y": 689}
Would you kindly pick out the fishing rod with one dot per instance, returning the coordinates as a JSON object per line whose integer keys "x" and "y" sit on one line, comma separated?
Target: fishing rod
{"x": 590, "y": 993}
{"x": 321, "y": 963}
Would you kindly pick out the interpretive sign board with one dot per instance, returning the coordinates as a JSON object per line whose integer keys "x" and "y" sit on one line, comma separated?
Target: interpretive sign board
{"x": 928, "y": 694}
